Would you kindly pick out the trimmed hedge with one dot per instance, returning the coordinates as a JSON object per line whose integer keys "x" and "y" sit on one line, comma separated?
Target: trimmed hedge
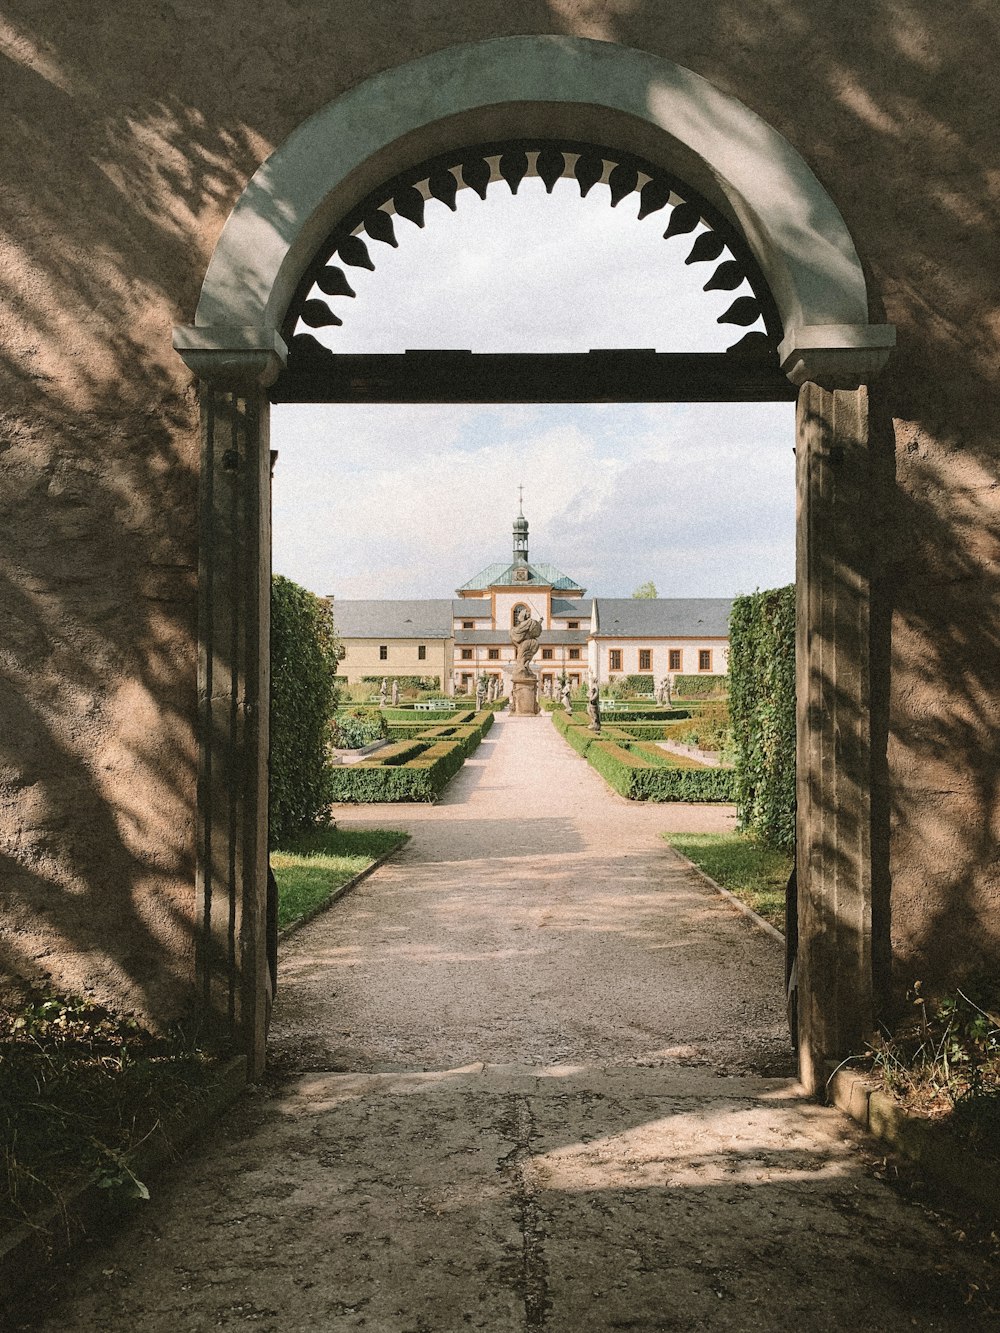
{"x": 638, "y": 685}
{"x": 762, "y": 710}
{"x": 640, "y": 770}
{"x": 416, "y": 768}
{"x": 639, "y": 778}
{"x": 305, "y": 651}
{"x": 704, "y": 687}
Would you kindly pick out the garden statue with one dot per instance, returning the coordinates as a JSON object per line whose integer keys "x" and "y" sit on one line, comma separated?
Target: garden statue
{"x": 395, "y": 693}
{"x": 383, "y": 693}
{"x": 567, "y": 705}
{"x": 663, "y": 693}
{"x": 481, "y": 693}
{"x": 524, "y": 634}
{"x": 594, "y": 707}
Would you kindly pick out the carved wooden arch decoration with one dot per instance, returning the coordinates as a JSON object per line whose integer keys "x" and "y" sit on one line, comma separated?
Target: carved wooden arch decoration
{"x": 551, "y": 88}
{"x": 355, "y": 241}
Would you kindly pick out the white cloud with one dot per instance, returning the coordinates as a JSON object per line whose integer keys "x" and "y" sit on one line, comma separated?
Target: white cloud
{"x": 698, "y": 498}
{"x": 412, "y": 501}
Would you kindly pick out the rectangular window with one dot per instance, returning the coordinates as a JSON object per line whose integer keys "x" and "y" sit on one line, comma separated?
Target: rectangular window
{"x": 674, "y": 660}
{"x": 614, "y": 659}
{"x": 421, "y": 652}
{"x": 572, "y": 624}
{"x": 466, "y": 654}
{"x": 493, "y": 654}
{"x": 574, "y": 680}
{"x": 645, "y": 659}
{"x": 546, "y": 654}
{"x": 704, "y": 659}
{"x": 383, "y": 652}
{"x": 574, "y": 654}
{"x": 468, "y": 624}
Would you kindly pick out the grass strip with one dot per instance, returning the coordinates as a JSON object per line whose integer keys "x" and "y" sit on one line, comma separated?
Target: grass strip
{"x": 312, "y": 866}
{"x": 755, "y": 874}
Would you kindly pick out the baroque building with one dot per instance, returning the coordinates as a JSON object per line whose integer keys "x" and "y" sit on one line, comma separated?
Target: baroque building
{"x": 455, "y": 640}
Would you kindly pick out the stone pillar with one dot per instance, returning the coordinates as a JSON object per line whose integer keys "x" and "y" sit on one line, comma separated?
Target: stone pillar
{"x": 834, "y": 746}
{"x": 231, "y": 959}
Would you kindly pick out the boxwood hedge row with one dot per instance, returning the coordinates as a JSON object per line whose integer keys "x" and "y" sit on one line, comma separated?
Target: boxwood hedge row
{"x": 703, "y": 687}
{"x": 640, "y": 778}
{"x": 640, "y": 771}
{"x": 414, "y": 769}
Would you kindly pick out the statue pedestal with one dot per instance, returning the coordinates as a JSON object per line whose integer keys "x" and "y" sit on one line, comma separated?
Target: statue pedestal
{"x": 525, "y": 701}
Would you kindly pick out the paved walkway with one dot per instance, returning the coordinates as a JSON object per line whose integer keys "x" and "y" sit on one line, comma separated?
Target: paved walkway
{"x": 531, "y": 1075}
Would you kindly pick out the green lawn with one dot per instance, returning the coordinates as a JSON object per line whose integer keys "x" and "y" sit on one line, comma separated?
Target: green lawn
{"x": 313, "y": 865}
{"x": 756, "y": 875}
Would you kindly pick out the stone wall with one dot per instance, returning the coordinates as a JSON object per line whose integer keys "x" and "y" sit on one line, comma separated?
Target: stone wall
{"x": 130, "y": 132}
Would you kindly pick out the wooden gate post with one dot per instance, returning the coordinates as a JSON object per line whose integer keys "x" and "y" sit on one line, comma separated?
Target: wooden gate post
{"x": 834, "y": 744}
{"x": 232, "y": 976}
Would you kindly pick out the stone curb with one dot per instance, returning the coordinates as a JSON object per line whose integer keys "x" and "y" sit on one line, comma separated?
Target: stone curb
{"x": 32, "y": 1248}
{"x": 738, "y": 903}
{"x": 939, "y": 1152}
{"x": 339, "y": 891}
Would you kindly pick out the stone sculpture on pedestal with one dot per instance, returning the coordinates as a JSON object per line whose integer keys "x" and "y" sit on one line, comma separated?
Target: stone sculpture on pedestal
{"x": 383, "y": 694}
{"x": 566, "y": 698}
{"x": 395, "y": 693}
{"x": 594, "y": 707}
{"x": 524, "y": 634}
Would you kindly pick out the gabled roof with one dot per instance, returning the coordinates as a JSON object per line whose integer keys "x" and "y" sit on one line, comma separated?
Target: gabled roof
{"x": 426, "y": 618}
{"x": 663, "y": 617}
{"x": 502, "y": 575}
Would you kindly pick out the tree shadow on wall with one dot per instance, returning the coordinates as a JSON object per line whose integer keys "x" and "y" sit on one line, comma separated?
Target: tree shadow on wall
{"x": 123, "y": 151}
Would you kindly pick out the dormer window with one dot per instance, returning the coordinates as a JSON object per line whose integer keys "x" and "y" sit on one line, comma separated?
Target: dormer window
{"x": 468, "y": 624}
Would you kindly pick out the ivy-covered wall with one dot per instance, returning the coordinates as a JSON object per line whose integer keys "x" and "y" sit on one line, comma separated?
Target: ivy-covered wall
{"x": 762, "y": 712}
{"x": 305, "y": 651}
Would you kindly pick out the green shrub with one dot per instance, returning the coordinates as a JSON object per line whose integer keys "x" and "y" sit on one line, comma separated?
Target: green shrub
{"x": 353, "y": 728}
{"x": 762, "y": 705}
{"x": 305, "y": 651}
{"x": 703, "y": 687}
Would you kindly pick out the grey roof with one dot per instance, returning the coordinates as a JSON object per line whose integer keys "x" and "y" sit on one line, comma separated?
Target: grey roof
{"x": 539, "y": 575}
{"x": 549, "y": 636}
{"x": 472, "y": 607}
{"x": 426, "y": 618}
{"x": 571, "y": 608}
{"x": 663, "y": 617}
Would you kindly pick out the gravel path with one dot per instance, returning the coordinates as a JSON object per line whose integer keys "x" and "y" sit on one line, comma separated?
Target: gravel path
{"x": 531, "y": 1075}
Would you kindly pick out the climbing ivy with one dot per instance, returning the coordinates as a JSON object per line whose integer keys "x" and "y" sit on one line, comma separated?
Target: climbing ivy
{"x": 762, "y": 711}
{"x": 305, "y": 651}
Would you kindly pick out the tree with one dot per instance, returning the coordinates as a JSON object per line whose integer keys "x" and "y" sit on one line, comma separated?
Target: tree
{"x": 646, "y": 590}
{"x": 305, "y": 651}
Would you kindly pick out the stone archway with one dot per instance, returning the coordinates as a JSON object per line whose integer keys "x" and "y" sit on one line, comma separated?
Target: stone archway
{"x": 494, "y": 91}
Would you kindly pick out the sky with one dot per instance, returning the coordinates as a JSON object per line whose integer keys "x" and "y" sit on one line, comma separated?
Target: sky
{"x": 411, "y": 501}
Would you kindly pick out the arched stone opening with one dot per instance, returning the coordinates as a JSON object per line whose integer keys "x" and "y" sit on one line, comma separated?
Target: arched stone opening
{"x": 499, "y": 92}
